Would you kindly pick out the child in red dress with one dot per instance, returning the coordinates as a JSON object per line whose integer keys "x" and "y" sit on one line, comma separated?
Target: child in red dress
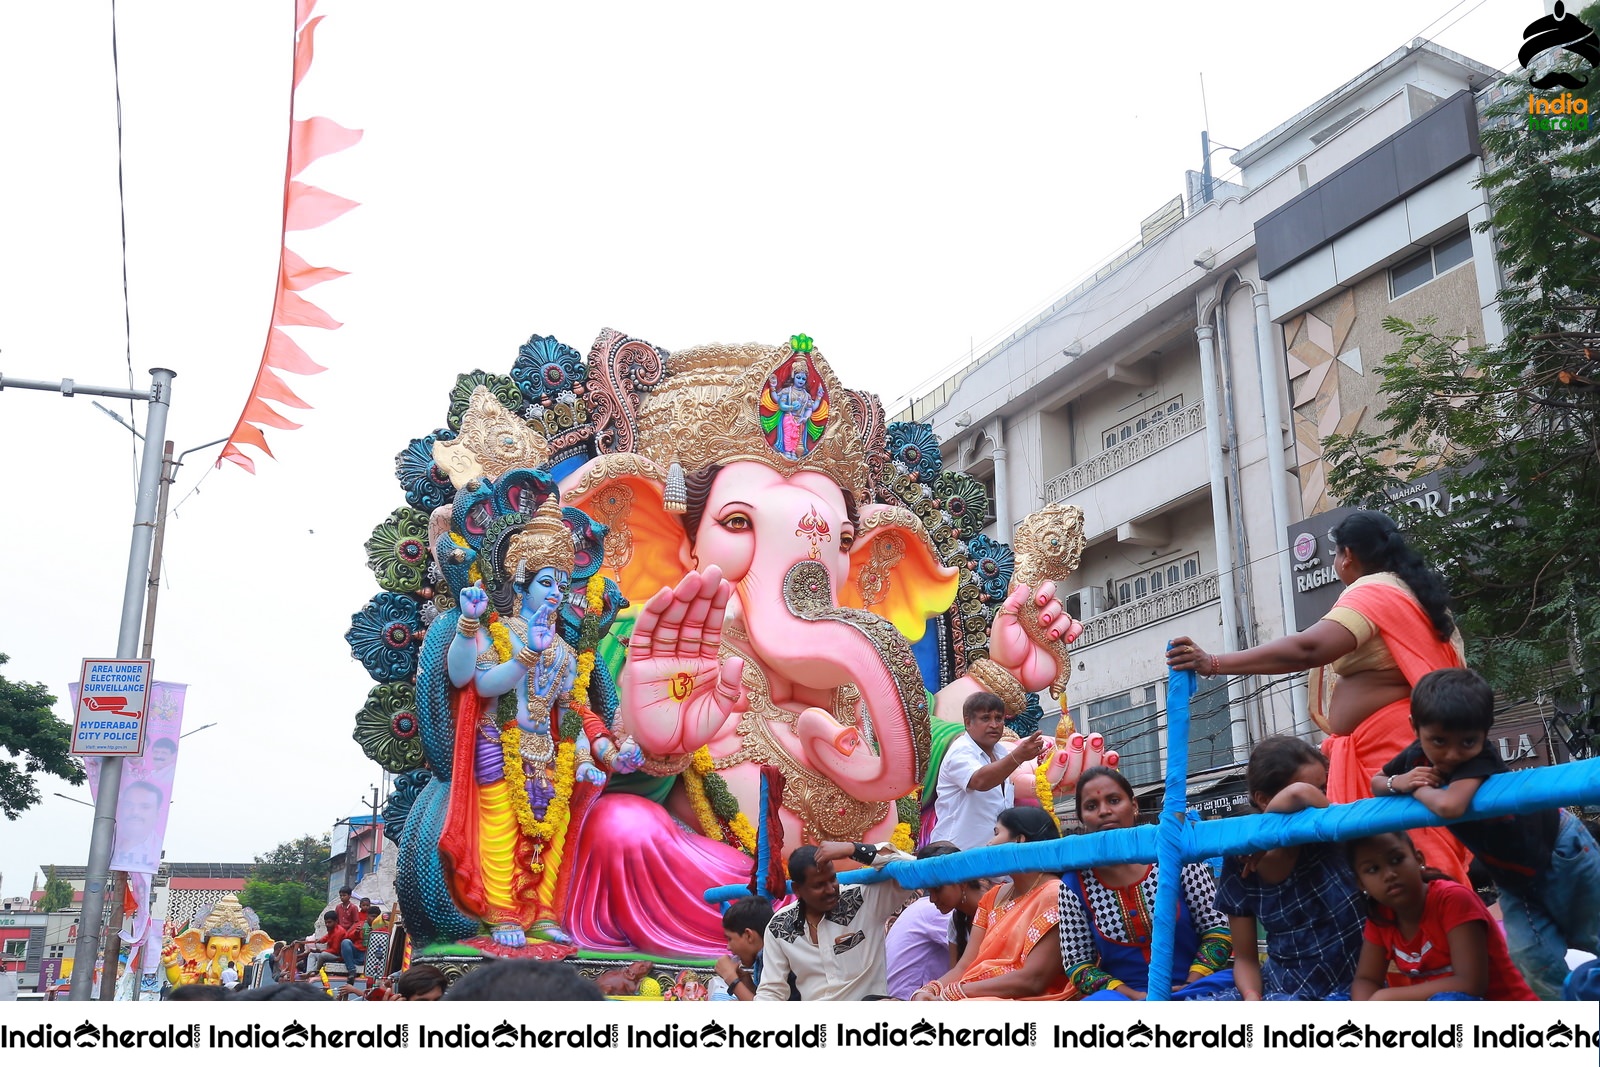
{"x": 1441, "y": 940}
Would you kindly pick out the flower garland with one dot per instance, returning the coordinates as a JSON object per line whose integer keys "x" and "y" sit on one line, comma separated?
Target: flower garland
{"x": 588, "y": 637}
{"x": 1043, "y": 790}
{"x": 558, "y": 812}
{"x": 700, "y": 781}
{"x": 901, "y": 839}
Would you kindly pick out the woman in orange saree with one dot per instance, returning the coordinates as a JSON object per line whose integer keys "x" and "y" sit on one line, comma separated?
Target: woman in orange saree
{"x": 1014, "y": 950}
{"x": 1391, "y": 626}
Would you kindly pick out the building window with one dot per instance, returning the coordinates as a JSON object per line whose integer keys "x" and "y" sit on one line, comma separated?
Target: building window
{"x": 1143, "y": 420}
{"x": 988, "y": 490}
{"x": 14, "y": 948}
{"x": 1128, "y": 721}
{"x": 1428, "y": 264}
{"x": 1211, "y": 726}
{"x": 1157, "y": 578}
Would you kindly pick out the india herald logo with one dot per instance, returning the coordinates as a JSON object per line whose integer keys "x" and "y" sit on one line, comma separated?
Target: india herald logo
{"x": 1559, "y": 30}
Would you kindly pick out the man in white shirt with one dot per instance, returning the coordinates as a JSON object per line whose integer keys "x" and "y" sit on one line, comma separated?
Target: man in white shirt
{"x": 831, "y": 938}
{"x": 974, "y": 779}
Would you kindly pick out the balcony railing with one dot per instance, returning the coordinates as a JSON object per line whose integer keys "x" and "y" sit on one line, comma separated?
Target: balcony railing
{"x": 1145, "y": 443}
{"x": 1173, "y": 600}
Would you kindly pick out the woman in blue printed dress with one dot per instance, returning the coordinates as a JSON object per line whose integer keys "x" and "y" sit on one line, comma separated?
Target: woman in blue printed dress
{"x": 1108, "y": 913}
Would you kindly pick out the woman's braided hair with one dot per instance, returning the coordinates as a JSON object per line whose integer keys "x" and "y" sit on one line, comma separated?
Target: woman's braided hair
{"x": 1374, "y": 539}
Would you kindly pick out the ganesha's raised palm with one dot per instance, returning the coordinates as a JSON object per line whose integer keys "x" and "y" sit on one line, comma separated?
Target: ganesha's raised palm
{"x": 677, "y": 693}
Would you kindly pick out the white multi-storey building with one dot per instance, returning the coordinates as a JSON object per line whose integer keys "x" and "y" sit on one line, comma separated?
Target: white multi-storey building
{"x": 1179, "y": 396}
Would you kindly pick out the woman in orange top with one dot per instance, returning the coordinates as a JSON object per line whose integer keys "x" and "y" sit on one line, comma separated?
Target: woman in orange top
{"x": 1014, "y": 950}
{"x": 1391, "y": 626}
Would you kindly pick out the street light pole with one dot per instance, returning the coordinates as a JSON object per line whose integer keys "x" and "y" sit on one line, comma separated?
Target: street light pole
{"x": 105, "y": 809}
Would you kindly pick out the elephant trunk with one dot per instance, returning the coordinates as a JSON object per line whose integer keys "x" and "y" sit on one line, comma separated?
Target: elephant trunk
{"x": 816, "y": 643}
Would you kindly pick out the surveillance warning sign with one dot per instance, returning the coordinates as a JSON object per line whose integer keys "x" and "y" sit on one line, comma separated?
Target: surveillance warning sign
{"x": 109, "y": 712}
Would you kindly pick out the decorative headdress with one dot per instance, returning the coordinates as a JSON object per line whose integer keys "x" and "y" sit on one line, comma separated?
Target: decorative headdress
{"x": 228, "y": 918}
{"x": 710, "y": 409}
{"x": 491, "y": 442}
{"x": 544, "y": 541}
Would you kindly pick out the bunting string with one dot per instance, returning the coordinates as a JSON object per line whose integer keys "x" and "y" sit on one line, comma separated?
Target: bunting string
{"x": 305, "y": 207}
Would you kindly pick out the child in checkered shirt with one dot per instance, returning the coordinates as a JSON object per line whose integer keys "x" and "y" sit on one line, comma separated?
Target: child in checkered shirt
{"x": 1304, "y": 897}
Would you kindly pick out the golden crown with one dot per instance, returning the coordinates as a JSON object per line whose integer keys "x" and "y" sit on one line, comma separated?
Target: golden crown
{"x": 544, "y": 541}
{"x": 727, "y": 403}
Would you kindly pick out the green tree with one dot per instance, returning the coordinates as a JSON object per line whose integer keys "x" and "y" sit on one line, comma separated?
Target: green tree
{"x": 288, "y": 887}
{"x": 287, "y": 910}
{"x": 1515, "y": 427}
{"x": 57, "y": 892}
{"x": 30, "y": 731}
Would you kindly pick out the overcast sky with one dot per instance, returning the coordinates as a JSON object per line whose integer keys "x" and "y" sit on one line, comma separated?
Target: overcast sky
{"x": 902, "y": 181}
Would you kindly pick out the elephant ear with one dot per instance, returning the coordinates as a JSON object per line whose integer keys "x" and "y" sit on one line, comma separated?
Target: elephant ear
{"x": 191, "y": 944}
{"x": 643, "y": 541}
{"x": 260, "y": 941}
{"x": 895, "y": 571}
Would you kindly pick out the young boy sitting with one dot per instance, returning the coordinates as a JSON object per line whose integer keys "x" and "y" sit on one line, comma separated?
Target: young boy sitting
{"x": 1546, "y": 865}
{"x": 745, "y": 925}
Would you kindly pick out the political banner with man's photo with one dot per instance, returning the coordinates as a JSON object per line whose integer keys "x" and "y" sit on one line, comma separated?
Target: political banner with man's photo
{"x": 146, "y": 792}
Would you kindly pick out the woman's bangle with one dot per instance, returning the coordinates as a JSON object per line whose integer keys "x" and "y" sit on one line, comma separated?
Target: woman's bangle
{"x": 1216, "y": 666}
{"x": 953, "y": 991}
{"x": 933, "y": 987}
{"x": 1389, "y": 785}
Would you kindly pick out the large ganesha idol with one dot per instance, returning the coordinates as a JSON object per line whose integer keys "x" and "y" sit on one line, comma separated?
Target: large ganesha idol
{"x": 629, "y": 586}
{"x": 228, "y": 934}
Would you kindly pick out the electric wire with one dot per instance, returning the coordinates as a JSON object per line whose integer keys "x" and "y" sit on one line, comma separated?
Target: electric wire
{"x": 122, "y": 214}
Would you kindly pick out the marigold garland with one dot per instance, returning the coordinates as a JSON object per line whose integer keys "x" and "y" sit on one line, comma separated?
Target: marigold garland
{"x": 901, "y": 839}
{"x": 588, "y": 635}
{"x": 744, "y": 832}
{"x": 696, "y": 777}
{"x": 1043, "y": 790}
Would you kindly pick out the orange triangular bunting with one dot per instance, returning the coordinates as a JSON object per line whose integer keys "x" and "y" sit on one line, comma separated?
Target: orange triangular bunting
{"x": 311, "y": 139}
{"x": 271, "y": 386}
{"x": 303, "y": 50}
{"x": 284, "y": 354}
{"x": 304, "y": 206}
{"x": 295, "y": 310}
{"x": 260, "y": 412}
{"x": 308, "y": 207}
{"x": 298, "y": 274}
{"x": 246, "y": 434}
{"x": 233, "y": 455}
